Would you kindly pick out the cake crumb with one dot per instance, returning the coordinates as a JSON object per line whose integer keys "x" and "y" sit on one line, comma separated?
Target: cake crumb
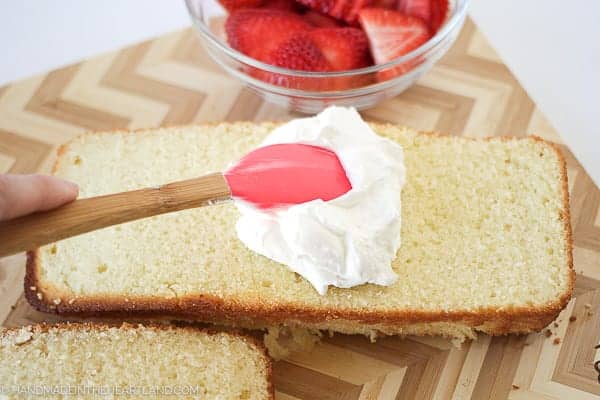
{"x": 40, "y": 296}
{"x": 32, "y": 288}
{"x": 572, "y": 318}
{"x": 588, "y": 309}
{"x": 556, "y": 341}
{"x": 548, "y": 332}
{"x": 71, "y": 301}
{"x": 516, "y": 387}
{"x": 281, "y": 341}
{"x": 24, "y": 336}
{"x": 57, "y": 301}
{"x": 555, "y": 325}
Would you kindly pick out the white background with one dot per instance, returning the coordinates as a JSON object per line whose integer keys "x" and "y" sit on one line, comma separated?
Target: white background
{"x": 552, "y": 47}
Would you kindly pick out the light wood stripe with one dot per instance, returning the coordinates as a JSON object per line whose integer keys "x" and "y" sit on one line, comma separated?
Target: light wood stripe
{"x": 47, "y": 101}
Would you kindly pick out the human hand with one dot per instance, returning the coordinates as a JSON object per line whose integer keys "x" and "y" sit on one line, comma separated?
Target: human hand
{"x": 25, "y": 194}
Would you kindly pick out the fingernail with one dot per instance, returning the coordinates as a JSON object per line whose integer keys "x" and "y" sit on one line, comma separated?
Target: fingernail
{"x": 72, "y": 187}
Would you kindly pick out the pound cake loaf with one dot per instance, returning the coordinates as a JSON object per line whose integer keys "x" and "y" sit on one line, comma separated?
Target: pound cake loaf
{"x": 99, "y": 361}
{"x": 486, "y": 241}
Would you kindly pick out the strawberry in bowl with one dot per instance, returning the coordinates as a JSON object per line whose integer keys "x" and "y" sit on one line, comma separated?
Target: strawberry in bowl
{"x": 308, "y": 54}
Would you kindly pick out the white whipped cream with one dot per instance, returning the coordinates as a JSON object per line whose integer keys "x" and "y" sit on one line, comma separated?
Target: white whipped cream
{"x": 347, "y": 241}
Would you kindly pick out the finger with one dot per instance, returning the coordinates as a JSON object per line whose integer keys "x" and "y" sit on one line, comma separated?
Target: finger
{"x": 24, "y": 194}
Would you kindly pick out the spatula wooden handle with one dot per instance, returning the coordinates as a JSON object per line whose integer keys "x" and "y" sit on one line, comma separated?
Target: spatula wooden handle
{"x": 93, "y": 213}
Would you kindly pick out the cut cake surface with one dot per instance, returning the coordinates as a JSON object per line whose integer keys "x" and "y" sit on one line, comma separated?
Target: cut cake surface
{"x": 486, "y": 240}
{"x": 96, "y": 360}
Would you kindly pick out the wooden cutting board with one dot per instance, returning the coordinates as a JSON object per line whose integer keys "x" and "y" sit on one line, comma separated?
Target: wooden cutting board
{"x": 170, "y": 80}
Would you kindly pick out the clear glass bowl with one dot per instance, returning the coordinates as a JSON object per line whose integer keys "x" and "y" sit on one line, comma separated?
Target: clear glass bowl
{"x": 310, "y": 92}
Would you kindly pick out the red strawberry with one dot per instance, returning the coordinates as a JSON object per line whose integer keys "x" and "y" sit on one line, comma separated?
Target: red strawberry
{"x": 415, "y": 8}
{"x": 433, "y": 12}
{"x": 344, "y": 48}
{"x": 346, "y": 10}
{"x": 355, "y": 7}
{"x": 231, "y": 5}
{"x": 258, "y": 32}
{"x": 321, "y": 20}
{"x": 299, "y": 52}
{"x": 439, "y": 12}
{"x": 391, "y": 4}
{"x": 284, "y": 5}
{"x": 391, "y": 35}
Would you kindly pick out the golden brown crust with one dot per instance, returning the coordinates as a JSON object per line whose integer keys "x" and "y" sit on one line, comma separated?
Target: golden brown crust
{"x": 494, "y": 321}
{"x": 566, "y": 212}
{"x": 71, "y": 326}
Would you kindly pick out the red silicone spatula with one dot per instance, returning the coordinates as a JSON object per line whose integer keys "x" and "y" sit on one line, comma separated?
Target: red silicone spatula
{"x": 270, "y": 176}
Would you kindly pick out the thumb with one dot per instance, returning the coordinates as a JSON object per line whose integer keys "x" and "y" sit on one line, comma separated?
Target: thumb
{"x": 25, "y": 194}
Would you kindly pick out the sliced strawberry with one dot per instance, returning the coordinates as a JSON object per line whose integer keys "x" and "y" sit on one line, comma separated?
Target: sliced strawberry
{"x": 299, "y": 52}
{"x": 258, "y": 32}
{"x": 433, "y": 12}
{"x": 344, "y": 48}
{"x": 321, "y": 20}
{"x": 416, "y": 8}
{"x": 322, "y": 6}
{"x": 283, "y": 5}
{"x": 355, "y": 7}
{"x": 346, "y": 10}
{"x": 390, "y": 4}
{"x": 391, "y": 35}
{"x": 439, "y": 13}
{"x": 231, "y": 5}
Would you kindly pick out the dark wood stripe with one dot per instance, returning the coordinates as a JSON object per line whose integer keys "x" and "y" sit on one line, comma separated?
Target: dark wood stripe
{"x": 499, "y": 367}
{"x": 245, "y": 107}
{"x": 480, "y": 67}
{"x": 585, "y": 284}
{"x": 410, "y": 384}
{"x": 575, "y": 365}
{"x": 454, "y": 109}
{"x": 29, "y": 154}
{"x": 588, "y": 237}
{"x": 46, "y": 101}
{"x": 122, "y": 75}
{"x": 394, "y": 350}
{"x": 517, "y": 114}
{"x": 304, "y": 383}
{"x": 189, "y": 50}
{"x": 431, "y": 375}
{"x": 462, "y": 43}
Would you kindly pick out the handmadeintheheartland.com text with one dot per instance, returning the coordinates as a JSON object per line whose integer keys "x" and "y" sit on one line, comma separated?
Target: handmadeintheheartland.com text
{"x": 106, "y": 390}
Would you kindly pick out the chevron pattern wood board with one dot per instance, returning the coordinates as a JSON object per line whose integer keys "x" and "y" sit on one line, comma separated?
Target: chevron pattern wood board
{"x": 171, "y": 80}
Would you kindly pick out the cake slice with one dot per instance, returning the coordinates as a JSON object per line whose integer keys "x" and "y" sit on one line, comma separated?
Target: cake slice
{"x": 486, "y": 241}
{"x": 92, "y": 361}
